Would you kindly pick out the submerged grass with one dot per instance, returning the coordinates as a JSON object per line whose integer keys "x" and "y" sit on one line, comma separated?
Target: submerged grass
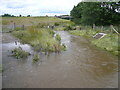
{"x": 19, "y": 53}
{"x": 108, "y": 42}
{"x": 35, "y": 58}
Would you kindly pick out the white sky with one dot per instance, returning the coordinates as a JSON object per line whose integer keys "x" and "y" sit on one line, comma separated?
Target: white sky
{"x": 37, "y": 7}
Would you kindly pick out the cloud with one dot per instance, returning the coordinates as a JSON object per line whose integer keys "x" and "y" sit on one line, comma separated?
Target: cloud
{"x": 37, "y": 7}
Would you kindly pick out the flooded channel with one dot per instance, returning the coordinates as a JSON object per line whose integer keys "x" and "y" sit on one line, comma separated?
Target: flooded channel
{"x": 82, "y": 65}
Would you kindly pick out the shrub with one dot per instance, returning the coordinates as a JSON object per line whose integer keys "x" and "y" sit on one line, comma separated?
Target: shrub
{"x": 68, "y": 28}
{"x": 56, "y": 24}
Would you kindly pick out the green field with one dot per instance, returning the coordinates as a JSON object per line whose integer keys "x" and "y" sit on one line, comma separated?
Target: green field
{"x": 32, "y": 20}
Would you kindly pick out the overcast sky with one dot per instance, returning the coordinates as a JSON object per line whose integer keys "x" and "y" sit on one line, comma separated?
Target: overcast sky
{"x": 37, "y": 7}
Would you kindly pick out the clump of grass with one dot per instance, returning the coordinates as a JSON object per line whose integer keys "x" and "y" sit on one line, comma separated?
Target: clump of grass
{"x": 64, "y": 47}
{"x": 69, "y": 27}
{"x": 41, "y": 25}
{"x": 56, "y": 24}
{"x": 51, "y": 32}
{"x": 18, "y": 28}
{"x": 57, "y": 37}
{"x": 19, "y": 53}
{"x": 35, "y": 58}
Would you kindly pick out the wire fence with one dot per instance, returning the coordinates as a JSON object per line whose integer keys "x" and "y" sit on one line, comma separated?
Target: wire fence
{"x": 13, "y": 27}
{"x": 106, "y": 29}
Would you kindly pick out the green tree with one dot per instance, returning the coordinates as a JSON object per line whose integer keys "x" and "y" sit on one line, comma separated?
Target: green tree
{"x": 98, "y": 13}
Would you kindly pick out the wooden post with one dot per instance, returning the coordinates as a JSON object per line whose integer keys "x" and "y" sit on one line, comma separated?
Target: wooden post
{"x": 102, "y": 28}
{"x": 23, "y": 27}
{"x": 93, "y": 26}
{"x": 14, "y": 26}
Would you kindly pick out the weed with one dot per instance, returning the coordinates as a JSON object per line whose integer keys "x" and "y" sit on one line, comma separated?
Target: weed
{"x": 63, "y": 47}
{"x": 57, "y": 37}
{"x": 69, "y": 27}
{"x": 19, "y": 53}
{"x": 35, "y": 58}
{"x": 56, "y": 24}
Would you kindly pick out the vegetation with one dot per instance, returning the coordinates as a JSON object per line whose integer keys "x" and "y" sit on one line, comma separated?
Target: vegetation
{"x": 35, "y": 58}
{"x": 58, "y": 38}
{"x": 40, "y": 39}
{"x": 85, "y": 33}
{"x": 109, "y": 42}
{"x": 19, "y": 53}
{"x": 63, "y": 47}
{"x": 8, "y": 15}
{"x": 98, "y": 13}
{"x": 56, "y": 24}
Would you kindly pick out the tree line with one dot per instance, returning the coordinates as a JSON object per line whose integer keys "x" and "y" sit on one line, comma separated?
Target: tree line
{"x": 98, "y": 13}
{"x": 9, "y": 15}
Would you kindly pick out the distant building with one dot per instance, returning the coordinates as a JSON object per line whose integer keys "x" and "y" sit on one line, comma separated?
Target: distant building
{"x": 64, "y": 17}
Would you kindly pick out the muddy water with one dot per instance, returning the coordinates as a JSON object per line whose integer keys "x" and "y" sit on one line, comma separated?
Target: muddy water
{"x": 81, "y": 66}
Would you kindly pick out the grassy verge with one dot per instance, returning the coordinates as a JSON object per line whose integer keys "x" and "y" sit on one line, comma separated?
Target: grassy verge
{"x": 109, "y": 42}
{"x": 40, "y": 39}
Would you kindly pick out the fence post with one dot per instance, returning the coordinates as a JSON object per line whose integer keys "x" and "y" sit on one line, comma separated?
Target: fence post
{"x": 111, "y": 29}
{"x": 102, "y": 28}
{"x": 14, "y": 26}
{"x": 93, "y": 26}
{"x": 23, "y": 27}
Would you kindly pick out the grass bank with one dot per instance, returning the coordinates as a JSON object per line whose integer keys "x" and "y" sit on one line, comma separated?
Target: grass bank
{"x": 108, "y": 42}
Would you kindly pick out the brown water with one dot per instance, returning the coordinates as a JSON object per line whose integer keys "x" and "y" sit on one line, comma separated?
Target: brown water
{"x": 81, "y": 66}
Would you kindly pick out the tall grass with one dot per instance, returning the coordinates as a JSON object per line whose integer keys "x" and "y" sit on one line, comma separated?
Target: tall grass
{"x": 40, "y": 39}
